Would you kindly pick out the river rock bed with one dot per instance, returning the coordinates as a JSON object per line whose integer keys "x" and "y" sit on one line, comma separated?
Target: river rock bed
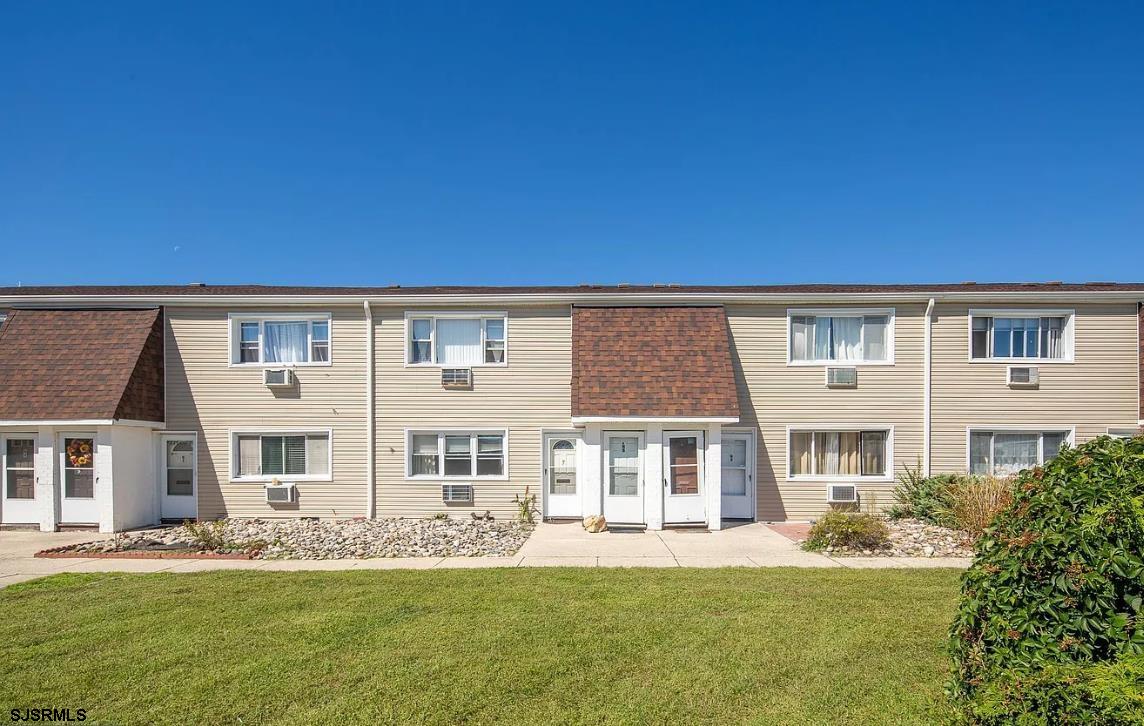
{"x": 914, "y": 538}
{"x": 300, "y": 539}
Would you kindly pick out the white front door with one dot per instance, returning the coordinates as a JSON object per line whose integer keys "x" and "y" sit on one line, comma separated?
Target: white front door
{"x": 683, "y": 477}
{"x": 738, "y": 476}
{"x": 623, "y": 477}
{"x": 77, "y": 466}
{"x": 561, "y": 484}
{"x": 178, "y": 483}
{"x": 18, "y": 477}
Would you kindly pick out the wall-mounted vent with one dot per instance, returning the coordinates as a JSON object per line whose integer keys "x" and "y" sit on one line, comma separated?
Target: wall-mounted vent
{"x": 457, "y": 493}
{"x": 1024, "y": 376}
{"x": 842, "y": 377}
{"x": 281, "y": 493}
{"x": 457, "y": 378}
{"x": 277, "y": 377}
{"x": 842, "y": 493}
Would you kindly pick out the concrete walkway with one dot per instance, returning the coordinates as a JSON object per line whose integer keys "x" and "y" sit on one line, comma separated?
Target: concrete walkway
{"x": 551, "y": 545}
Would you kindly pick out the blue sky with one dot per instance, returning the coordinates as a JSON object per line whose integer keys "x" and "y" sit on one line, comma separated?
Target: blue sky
{"x": 487, "y": 143}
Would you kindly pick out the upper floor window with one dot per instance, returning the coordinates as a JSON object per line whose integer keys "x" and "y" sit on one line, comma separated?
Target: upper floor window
{"x": 1022, "y": 336}
{"x": 456, "y": 341}
{"x": 1003, "y": 453}
{"x": 280, "y": 339}
{"x": 841, "y": 336}
{"x": 455, "y": 454}
{"x": 839, "y": 454}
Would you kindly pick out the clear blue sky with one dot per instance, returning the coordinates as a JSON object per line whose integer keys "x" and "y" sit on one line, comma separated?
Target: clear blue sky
{"x": 439, "y": 143}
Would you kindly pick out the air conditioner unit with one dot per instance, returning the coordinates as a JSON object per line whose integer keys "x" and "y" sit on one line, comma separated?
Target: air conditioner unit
{"x": 1024, "y": 376}
{"x": 281, "y": 493}
{"x": 457, "y": 493}
{"x": 842, "y": 493}
{"x": 841, "y": 377}
{"x": 457, "y": 378}
{"x": 277, "y": 377}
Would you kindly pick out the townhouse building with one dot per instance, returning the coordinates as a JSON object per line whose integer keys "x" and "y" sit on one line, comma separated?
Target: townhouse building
{"x": 653, "y": 405}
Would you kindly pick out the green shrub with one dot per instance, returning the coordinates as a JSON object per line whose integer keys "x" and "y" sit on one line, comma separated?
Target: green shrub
{"x": 1058, "y": 578}
{"x": 1103, "y": 694}
{"x": 956, "y": 501}
{"x": 853, "y": 531}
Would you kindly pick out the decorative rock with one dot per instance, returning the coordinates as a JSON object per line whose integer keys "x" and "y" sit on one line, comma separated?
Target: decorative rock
{"x": 595, "y": 523}
{"x": 929, "y": 550}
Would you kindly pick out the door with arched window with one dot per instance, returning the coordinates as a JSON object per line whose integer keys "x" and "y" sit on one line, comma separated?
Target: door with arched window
{"x": 561, "y": 495}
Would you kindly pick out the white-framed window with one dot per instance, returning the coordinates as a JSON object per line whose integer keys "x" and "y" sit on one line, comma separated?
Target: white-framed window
{"x": 1125, "y": 433}
{"x": 1003, "y": 452}
{"x": 456, "y": 340}
{"x": 1021, "y": 335}
{"x": 280, "y": 340}
{"x": 832, "y": 336}
{"x": 456, "y": 454}
{"x": 843, "y": 453}
{"x": 285, "y": 455}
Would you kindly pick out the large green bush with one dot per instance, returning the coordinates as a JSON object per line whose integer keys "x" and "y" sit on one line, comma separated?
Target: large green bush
{"x": 1058, "y": 578}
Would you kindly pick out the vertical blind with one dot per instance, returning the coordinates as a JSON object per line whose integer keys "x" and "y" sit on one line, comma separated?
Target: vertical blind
{"x": 459, "y": 342}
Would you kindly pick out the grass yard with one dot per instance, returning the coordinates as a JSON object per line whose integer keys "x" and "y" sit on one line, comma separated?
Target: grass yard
{"x": 567, "y": 645}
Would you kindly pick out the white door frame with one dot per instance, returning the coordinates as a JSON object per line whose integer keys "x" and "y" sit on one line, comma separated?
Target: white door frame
{"x": 78, "y": 510}
{"x": 685, "y": 508}
{"x": 192, "y": 512}
{"x": 624, "y": 509}
{"x": 752, "y": 462}
{"x": 18, "y": 511}
{"x": 567, "y": 505}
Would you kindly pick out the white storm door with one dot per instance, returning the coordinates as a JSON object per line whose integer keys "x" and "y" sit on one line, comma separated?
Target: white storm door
{"x": 623, "y": 477}
{"x": 178, "y": 483}
{"x": 683, "y": 477}
{"x": 561, "y": 480}
{"x": 738, "y": 476}
{"x": 77, "y": 474}
{"x": 18, "y": 477}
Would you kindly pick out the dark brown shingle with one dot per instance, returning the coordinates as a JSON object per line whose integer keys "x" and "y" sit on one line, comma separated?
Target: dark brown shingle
{"x": 652, "y": 361}
{"x": 81, "y": 364}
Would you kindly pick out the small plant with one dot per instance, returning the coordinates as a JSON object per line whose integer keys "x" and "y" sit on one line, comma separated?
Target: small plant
{"x": 440, "y": 515}
{"x": 974, "y": 502}
{"x": 208, "y": 535}
{"x": 837, "y": 530}
{"x": 525, "y": 506}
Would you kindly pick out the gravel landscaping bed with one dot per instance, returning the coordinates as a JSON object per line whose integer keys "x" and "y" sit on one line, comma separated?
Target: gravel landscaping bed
{"x": 914, "y": 538}
{"x": 300, "y": 539}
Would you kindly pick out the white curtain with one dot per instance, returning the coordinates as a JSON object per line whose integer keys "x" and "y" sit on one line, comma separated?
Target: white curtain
{"x": 874, "y": 337}
{"x": 286, "y": 342}
{"x": 1052, "y": 330}
{"x": 822, "y": 338}
{"x": 801, "y": 333}
{"x": 847, "y": 339}
{"x": 1014, "y": 452}
{"x": 828, "y": 447}
{"x": 458, "y": 342}
{"x": 318, "y": 454}
{"x": 249, "y": 456}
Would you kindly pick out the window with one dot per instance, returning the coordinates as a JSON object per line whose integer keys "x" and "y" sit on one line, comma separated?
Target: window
{"x": 456, "y": 341}
{"x": 20, "y": 468}
{"x": 456, "y": 455}
{"x": 838, "y": 336}
{"x": 1127, "y": 433}
{"x": 281, "y": 340}
{"x": 623, "y": 466}
{"x": 1002, "y": 453}
{"x": 859, "y": 453}
{"x": 301, "y": 455}
{"x": 1020, "y": 336}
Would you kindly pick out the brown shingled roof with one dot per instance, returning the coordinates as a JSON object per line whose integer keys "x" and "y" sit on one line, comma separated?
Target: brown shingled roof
{"x": 81, "y": 364}
{"x": 652, "y": 361}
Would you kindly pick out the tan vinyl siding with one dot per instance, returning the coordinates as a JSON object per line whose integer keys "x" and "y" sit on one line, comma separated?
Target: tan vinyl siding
{"x": 773, "y": 396}
{"x": 531, "y": 393}
{"x": 1097, "y": 391}
{"x": 206, "y": 395}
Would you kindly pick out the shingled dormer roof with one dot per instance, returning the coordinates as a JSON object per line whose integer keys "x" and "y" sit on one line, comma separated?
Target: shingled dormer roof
{"x": 69, "y": 365}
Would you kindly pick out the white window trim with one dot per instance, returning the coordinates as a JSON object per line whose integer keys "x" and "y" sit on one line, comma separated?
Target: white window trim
{"x": 1068, "y": 334}
{"x": 233, "y": 435}
{"x": 234, "y": 338}
{"x": 472, "y": 433}
{"x": 1123, "y": 432}
{"x": 845, "y": 478}
{"x": 1018, "y": 429}
{"x": 454, "y": 315}
{"x": 891, "y": 313}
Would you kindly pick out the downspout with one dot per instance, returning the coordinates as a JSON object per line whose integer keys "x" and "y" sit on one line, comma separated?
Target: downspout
{"x": 927, "y": 393}
{"x": 370, "y": 476}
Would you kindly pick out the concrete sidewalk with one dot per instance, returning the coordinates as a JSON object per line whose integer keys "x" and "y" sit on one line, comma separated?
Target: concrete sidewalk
{"x": 551, "y": 545}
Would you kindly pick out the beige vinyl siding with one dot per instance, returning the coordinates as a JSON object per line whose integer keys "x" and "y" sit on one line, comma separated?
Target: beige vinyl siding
{"x": 1097, "y": 391}
{"x": 206, "y": 395}
{"x": 531, "y": 393}
{"x": 773, "y": 396}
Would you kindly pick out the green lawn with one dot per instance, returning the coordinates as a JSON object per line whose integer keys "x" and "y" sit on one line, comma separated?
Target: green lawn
{"x": 568, "y": 645}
